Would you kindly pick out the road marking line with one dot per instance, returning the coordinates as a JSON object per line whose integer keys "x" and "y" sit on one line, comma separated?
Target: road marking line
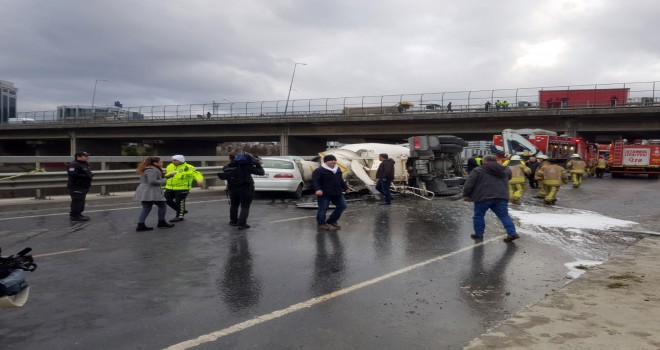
{"x": 58, "y": 253}
{"x": 310, "y": 216}
{"x": 292, "y": 219}
{"x": 97, "y": 211}
{"x": 213, "y": 336}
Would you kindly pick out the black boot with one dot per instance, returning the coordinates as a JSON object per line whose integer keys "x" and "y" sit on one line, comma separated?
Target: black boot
{"x": 143, "y": 227}
{"x": 164, "y": 224}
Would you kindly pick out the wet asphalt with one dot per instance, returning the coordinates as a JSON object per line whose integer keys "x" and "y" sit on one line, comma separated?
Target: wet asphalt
{"x": 113, "y": 288}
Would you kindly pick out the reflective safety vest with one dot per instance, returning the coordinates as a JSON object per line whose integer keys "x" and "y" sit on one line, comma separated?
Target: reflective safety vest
{"x": 183, "y": 179}
{"x": 577, "y": 166}
{"x": 478, "y": 159}
{"x": 554, "y": 175}
{"x": 602, "y": 163}
{"x": 518, "y": 173}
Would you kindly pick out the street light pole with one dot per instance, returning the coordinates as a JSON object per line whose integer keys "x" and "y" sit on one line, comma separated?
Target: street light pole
{"x": 291, "y": 85}
{"x": 94, "y": 95}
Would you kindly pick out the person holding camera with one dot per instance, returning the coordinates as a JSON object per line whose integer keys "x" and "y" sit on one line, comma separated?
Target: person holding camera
{"x": 240, "y": 186}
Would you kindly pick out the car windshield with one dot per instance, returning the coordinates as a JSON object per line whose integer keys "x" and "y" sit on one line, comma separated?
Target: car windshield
{"x": 277, "y": 164}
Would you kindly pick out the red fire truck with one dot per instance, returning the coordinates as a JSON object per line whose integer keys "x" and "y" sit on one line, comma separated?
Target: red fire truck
{"x": 639, "y": 157}
{"x": 535, "y": 142}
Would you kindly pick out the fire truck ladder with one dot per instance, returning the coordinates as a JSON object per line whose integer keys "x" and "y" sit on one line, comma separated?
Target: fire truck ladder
{"x": 617, "y": 153}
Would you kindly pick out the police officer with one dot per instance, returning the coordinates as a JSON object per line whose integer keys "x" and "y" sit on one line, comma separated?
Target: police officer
{"x": 181, "y": 176}
{"x": 80, "y": 180}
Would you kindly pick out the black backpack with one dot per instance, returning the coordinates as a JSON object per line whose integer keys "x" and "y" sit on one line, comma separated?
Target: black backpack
{"x": 233, "y": 175}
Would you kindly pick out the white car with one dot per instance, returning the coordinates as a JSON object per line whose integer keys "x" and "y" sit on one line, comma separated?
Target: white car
{"x": 285, "y": 174}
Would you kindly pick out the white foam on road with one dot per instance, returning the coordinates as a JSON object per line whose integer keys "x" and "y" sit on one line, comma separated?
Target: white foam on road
{"x": 570, "y": 219}
{"x": 585, "y": 235}
{"x": 574, "y": 272}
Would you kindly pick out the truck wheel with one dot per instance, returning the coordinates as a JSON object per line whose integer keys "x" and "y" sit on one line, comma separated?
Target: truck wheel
{"x": 448, "y": 148}
{"x": 452, "y": 191}
{"x": 453, "y": 182}
{"x": 451, "y": 139}
{"x": 654, "y": 176}
{"x": 617, "y": 175}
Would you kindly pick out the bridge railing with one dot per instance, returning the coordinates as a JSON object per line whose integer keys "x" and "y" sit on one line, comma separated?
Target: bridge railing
{"x": 38, "y": 179}
{"x": 640, "y": 94}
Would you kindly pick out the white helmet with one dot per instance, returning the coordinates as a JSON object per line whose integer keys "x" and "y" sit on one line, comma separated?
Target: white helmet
{"x": 516, "y": 157}
{"x": 575, "y": 155}
{"x": 542, "y": 156}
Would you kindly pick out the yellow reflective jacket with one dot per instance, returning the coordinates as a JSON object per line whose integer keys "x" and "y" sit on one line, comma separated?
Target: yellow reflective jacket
{"x": 184, "y": 177}
{"x": 554, "y": 175}
{"x": 602, "y": 163}
{"x": 519, "y": 173}
{"x": 577, "y": 166}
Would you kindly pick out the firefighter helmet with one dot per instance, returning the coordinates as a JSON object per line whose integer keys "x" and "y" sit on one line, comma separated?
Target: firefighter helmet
{"x": 516, "y": 157}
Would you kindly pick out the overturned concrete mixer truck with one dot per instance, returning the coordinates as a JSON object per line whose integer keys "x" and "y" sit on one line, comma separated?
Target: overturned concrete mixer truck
{"x": 429, "y": 164}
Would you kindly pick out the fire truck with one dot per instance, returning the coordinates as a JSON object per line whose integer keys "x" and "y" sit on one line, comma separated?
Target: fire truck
{"x": 534, "y": 142}
{"x": 639, "y": 157}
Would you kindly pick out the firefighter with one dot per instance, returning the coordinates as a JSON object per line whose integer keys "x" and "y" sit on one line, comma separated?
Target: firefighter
{"x": 600, "y": 167}
{"x": 591, "y": 167}
{"x": 519, "y": 171}
{"x": 577, "y": 167}
{"x": 178, "y": 186}
{"x": 538, "y": 176}
{"x": 553, "y": 176}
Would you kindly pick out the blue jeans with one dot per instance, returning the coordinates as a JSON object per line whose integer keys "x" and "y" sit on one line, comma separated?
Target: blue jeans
{"x": 500, "y": 207}
{"x": 383, "y": 186}
{"x": 146, "y": 209}
{"x": 324, "y": 203}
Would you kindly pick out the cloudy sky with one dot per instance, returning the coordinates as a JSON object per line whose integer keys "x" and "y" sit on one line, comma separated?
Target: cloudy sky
{"x": 157, "y": 52}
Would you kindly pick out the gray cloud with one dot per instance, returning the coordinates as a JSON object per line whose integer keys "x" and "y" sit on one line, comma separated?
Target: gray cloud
{"x": 170, "y": 52}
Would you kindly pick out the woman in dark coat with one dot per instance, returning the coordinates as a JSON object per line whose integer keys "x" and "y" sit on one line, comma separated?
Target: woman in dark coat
{"x": 150, "y": 192}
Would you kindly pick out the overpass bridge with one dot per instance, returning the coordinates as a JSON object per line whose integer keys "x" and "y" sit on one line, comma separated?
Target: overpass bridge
{"x": 307, "y": 133}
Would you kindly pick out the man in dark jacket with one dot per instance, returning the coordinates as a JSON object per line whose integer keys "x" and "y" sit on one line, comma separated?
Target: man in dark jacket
{"x": 329, "y": 187}
{"x": 80, "y": 180}
{"x": 488, "y": 188}
{"x": 533, "y": 165}
{"x": 384, "y": 177}
{"x": 240, "y": 187}
{"x": 473, "y": 162}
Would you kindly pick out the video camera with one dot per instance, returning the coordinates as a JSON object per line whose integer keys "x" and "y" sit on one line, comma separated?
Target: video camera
{"x": 247, "y": 158}
{"x": 13, "y": 286}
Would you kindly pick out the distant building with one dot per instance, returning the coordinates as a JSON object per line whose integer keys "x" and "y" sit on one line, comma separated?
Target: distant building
{"x": 77, "y": 112}
{"x": 7, "y": 101}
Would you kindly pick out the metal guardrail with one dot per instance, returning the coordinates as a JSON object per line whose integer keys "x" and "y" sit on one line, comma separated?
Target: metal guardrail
{"x": 58, "y": 179}
{"x": 641, "y": 94}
